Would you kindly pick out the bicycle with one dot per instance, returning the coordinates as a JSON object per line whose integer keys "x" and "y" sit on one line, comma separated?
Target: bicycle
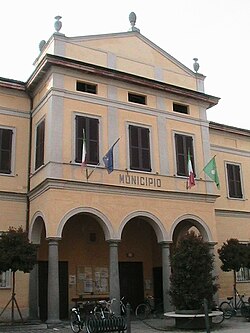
{"x": 79, "y": 316}
{"x": 103, "y": 308}
{"x": 150, "y": 306}
{"x": 230, "y": 309}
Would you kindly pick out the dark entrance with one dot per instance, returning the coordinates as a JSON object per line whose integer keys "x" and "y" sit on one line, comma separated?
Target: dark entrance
{"x": 131, "y": 282}
{"x": 157, "y": 283}
{"x": 43, "y": 289}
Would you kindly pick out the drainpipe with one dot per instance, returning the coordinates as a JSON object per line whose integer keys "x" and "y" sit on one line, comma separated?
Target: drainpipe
{"x": 29, "y": 165}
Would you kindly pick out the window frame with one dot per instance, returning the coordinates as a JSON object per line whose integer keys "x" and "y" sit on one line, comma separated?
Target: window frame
{"x": 137, "y": 97}
{"x": 185, "y": 155}
{"x": 181, "y": 105}
{"x": 132, "y": 165}
{"x": 7, "y": 279}
{"x": 41, "y": 146}
{"x": 78, "y": 139}
{"x": 234, "y": 181}
{"x": 12, "y": 151}
{"x": 87, "y": 86}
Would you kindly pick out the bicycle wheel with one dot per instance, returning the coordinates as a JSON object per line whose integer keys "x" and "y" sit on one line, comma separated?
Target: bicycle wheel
{"x": 245, "y": 310}
{"x": 227, "y": 309}
{"x": 218, "y": 319}
{"x": 75, "y": 322}
{"x": 142, "y": 311}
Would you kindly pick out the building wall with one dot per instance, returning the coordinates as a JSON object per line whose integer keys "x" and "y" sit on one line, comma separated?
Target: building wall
{"x": 65, "y": 204}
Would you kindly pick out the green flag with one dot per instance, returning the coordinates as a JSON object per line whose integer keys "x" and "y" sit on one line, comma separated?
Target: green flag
{"x": 211, "y": 170}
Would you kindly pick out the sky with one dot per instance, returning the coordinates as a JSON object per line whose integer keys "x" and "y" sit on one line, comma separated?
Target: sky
{"x": 217, "y": 32}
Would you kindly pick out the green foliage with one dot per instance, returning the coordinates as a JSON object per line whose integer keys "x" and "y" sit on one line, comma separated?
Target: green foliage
{"x": 233, "y": 255}
{"x": 191, "y": 278}
{"x": 16, "y": 252}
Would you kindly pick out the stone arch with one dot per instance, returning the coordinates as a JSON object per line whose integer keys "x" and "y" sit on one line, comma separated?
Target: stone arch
{"x": 38, "y": 221}
{"x": 101, "y": 218}
{"x": 156, "y": 224}
{"x": 186, "y": 221}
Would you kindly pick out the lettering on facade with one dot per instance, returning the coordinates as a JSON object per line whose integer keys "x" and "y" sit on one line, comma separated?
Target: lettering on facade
{"x": 140, "y": 180}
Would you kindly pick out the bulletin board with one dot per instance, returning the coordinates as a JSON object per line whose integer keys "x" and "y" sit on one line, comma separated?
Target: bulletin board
{"x": 92, "y": 280}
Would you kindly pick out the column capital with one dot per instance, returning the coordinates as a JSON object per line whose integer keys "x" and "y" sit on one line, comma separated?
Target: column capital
{"x": 53, "y": 239}
{"x": 166, "y": 243}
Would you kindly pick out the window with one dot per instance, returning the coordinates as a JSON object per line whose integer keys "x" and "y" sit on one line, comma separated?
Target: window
{"x": 5, "y": 150}
{"x": 5, "y": 279}
{"x": 183, "y": 145}
{"x": 135, "y": 98}
{"x": 180, "y": 108}
{"x": 243, "y": 274}
{"x": 91, "y": 129}
{"x": 139, "y": 148}
{"x": 86, "y": 87}
{"x": 234, "y": 181}
{"x": 40, "y": 130}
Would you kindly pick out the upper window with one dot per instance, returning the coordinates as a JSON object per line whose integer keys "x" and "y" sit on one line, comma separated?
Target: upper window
{"x": 234, "y": 181}
{"x": 243, "y": 274}
{"x": 180, "y": 108}
{"x": 40, "y": 131}
{"x": 86, "y": 87}
{"x": 5, "y": 150}
{"x": 136, "y": 98}
{"x": 183, "y": 146}
{"x": 91, "y": 130}
{"x": 5, "y": 279}
{"x": 139, "y": 148}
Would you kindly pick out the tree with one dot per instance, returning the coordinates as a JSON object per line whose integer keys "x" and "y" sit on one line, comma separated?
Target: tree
{"x": 192, "y": 280}
{"x": 233, "y": 256}
{"x": 16, "y": 254}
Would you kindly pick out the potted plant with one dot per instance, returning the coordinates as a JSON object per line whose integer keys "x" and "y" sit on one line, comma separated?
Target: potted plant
{"x": 192, "y": 280}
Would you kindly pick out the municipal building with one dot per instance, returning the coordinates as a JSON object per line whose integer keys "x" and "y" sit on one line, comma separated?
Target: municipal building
{"x": 107, "y": 232}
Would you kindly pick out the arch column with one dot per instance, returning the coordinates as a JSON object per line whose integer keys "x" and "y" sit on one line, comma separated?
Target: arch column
{"x": 214, "y": 272}
{"x": 53, "y": 282}
{"x": 114, "y": 275}
{"x": 166, "y": 271}
{"x": 33, "y": 293}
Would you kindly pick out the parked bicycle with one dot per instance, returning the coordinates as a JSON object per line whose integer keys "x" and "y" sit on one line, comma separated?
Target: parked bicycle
{"x": 150, "y": 307}
{"x": 103, "y": 308}
{"x": 230, "y": 308}
{"x": 79, "y": 315}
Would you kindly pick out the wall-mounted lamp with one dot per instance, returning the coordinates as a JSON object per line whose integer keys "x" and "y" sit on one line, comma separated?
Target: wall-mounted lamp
{"x": 130, "y": 255}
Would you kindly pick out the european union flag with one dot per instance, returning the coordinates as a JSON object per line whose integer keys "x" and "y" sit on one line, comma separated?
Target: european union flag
{"x": 108, "y": 159}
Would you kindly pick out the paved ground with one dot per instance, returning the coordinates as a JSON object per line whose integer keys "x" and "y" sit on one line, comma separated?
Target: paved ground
{"x": 233, "y": 325}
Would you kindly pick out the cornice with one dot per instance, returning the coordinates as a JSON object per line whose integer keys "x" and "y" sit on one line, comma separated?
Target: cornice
{"x": 64, "y": 185}
{"x": 53, "y": 60}
{"x": 232, "y": 213}
{"x": 13, "y": 196}
{"x": 228, "y": 129}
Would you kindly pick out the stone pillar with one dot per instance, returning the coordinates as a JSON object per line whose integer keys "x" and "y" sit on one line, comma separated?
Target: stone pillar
{"x": 214, "y": 273}
{"x": 53, "y": 283}
{"x": 114, "y": 282}
{"x": 166, "y": 270}
{"x": 33, "y": 293}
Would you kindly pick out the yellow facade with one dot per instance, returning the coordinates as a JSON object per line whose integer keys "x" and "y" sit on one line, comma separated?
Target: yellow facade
{"x": 80, "y": 216}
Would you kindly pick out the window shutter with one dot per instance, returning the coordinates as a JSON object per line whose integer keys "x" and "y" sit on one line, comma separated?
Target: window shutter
{"x": 5, "y": 150}
{"x": 91, "y": 128}
{"x": 40, "y": 132}
{"x": 139, "y": 147}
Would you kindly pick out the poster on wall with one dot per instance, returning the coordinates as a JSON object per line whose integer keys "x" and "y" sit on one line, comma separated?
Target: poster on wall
{"x": 101, "y": 280}
{"x": 92, "y": 280}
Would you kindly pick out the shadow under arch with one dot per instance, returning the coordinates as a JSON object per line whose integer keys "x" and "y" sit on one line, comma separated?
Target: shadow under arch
{"x": 156, "y": 224}
{"x": 38, "y": 222}
{"x": 185, "y": 222}
{"x": 101, "y": 218}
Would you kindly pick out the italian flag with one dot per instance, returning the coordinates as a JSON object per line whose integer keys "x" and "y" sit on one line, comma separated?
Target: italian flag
{"x": 84, "y": 151}
{"x": 190, "y": 181}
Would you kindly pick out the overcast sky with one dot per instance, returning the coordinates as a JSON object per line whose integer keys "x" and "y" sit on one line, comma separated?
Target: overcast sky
{"x": 217, "y": 32}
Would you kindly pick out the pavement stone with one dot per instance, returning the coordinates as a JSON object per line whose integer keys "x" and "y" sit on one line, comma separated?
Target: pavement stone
{"x": 233, "y": 325}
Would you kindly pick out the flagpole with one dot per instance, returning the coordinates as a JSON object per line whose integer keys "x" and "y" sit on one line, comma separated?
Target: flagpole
{"x": 92, "y": 171}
